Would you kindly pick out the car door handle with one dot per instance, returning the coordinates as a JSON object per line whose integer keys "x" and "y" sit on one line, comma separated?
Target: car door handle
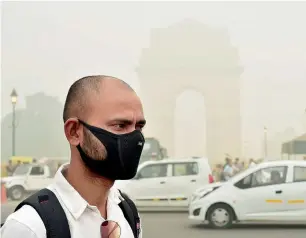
{"x": 193, "y": 180}
{"x": 278, "y": 191}
{"x": 162, "y": 182}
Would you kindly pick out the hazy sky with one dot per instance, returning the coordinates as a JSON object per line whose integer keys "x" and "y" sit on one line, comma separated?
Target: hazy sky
{"x": 46, "y": 46}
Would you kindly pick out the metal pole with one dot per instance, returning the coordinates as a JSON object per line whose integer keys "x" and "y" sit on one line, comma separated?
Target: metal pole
{"x": 265, "y": 143}
{"x": 291, "y": 149}
{"x": 14, "y": 130}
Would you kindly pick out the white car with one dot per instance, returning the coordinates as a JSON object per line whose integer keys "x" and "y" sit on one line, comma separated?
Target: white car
{"x": 167, "y": 184}
{"x": 271, "y": 191}
{"x": 28, "y": 178}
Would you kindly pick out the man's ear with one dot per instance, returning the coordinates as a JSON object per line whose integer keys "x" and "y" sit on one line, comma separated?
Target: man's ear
{"x": 73, "y": 131}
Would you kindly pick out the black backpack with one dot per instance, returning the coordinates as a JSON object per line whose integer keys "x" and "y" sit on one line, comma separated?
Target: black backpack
{"x": 54, "y": 218}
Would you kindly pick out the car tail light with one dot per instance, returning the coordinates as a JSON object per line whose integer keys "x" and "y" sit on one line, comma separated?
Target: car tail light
{"x": 210, "y": 179}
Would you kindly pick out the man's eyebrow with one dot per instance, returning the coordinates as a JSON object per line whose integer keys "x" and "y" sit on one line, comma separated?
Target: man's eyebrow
{"x": 129, "y": 122}
{"x": 142, "y": 122}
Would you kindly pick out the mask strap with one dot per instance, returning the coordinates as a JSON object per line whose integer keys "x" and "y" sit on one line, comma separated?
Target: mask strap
{"x": 85, "y": 124}
{"x": 81, "y": 122}
{"x": 81, "y": 151}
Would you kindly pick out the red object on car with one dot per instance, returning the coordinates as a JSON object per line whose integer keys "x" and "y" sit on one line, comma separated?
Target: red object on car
{"x": 210, "y": 179}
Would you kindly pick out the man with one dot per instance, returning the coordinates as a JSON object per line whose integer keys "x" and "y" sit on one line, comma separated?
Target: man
{"x": 103, "y": 120}
{"x": 252, "y": 163}
{"x": 18, "y": 163}
{"x": 218, "y": 173}
{"x": 228, "y": 170}
{"x": 243, "y": 165}
{"x": 10, "y": 168}
{"x": 237, "y": 166}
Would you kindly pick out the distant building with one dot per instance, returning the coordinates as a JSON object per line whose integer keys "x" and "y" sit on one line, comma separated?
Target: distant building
{"x": 295, "y": 149}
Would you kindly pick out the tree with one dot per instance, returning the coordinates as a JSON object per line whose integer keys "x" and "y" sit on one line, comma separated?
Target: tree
{"x": 39, "y": 129}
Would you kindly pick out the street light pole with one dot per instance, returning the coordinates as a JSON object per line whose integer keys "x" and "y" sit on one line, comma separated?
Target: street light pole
{"x": 265, "y": 143}
{"x": 14, "y": 97}
{"x": 305, "y": 119}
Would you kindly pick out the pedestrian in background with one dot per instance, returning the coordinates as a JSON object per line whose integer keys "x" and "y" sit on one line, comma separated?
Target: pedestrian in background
{"x": 237, "y": 166}
{"x": 228, "y": 170}
{"x": 252, "y": 163}
{"x": 10, "y": 168}
{"x": 218, "y": 173}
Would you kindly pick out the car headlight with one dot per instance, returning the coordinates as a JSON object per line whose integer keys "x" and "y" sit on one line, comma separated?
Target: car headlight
{"x": 6, "y": 183}
{"x": 205, "y": 192}
{"x": 200, "y": 194}
{"x": 193, "y": 197}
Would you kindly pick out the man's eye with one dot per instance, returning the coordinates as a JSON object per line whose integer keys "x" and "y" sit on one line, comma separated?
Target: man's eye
{"x": 119, "y": 126}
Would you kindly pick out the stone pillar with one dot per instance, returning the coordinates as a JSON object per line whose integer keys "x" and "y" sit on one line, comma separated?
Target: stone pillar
{"x": 223, "y": 122}
{"x": 159, "y": 108}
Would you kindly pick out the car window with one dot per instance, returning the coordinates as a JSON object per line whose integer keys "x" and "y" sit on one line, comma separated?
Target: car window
{"x": 153, "y": 171}
{"x": 37, "y": 170}
{"x": 269, "y": 176}
{"x": 299, "y": 174}
{"x": 245, "y": 182}
{"x": 146, "y": 146}
{"x": 22, "y": 169}
{"x": 185, "y": 169}
{"x": 264, "y": 177}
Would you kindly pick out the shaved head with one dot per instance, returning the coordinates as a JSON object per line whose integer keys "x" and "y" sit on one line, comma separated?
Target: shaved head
{"x": 83, "y": 91}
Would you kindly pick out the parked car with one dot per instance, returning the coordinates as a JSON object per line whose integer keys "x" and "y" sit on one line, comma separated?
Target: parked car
{"x": 167, "y": 183}
{"x": 29, "y": 178}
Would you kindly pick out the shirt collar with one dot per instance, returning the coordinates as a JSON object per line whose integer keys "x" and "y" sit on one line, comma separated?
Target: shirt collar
{"x": 74, "y": 202}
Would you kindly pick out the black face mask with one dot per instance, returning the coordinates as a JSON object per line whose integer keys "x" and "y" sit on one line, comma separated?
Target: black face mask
{"x": 123, "y": 153}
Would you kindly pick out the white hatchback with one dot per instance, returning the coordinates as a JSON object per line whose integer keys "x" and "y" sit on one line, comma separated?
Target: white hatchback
{"x": 167, "y": 184}
{"x": 271, "y": 191}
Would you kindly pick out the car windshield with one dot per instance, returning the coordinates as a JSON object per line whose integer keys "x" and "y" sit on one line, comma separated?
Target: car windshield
{"x": 22, "y": 169}
{"x": 236, "y": 175}
{"x": 146, "y": 147}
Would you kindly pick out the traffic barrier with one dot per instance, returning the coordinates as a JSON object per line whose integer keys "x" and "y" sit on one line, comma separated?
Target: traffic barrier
{"x": 3, "y": 194}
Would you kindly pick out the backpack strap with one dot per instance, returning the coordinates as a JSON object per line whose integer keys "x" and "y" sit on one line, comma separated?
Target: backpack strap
{"x": 50, "y": 211}
{"x": 130, "y": 213}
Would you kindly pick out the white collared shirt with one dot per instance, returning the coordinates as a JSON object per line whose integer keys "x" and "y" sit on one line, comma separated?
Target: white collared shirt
{"x": 84, "y": 220}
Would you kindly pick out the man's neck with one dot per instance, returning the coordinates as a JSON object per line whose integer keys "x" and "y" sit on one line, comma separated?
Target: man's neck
{"x": 93, "y": 189}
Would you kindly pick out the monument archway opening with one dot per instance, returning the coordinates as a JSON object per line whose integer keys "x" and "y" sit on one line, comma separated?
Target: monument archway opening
{"x": 190, "y": 125}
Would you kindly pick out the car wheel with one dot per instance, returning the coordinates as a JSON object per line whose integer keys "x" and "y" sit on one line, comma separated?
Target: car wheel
{"x": 220, "y": 216}
{"x": 16, "y": 193}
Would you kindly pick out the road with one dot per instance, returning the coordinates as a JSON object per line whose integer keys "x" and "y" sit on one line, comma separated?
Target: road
{"x": 176, "y": 225}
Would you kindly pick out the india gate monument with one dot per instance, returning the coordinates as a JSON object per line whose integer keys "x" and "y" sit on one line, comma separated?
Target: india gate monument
{"x": 191, "y": 55}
